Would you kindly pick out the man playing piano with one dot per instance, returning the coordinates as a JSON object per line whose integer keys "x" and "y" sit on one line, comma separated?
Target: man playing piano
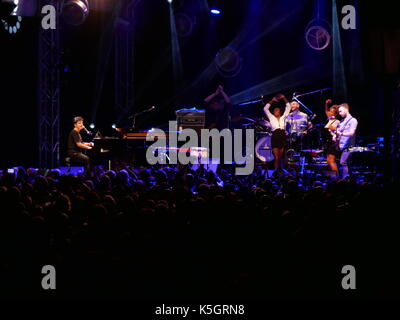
{"x": 75, "y": 145}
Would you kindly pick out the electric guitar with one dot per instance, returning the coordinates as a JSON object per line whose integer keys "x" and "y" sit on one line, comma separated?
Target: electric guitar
{"x": 336, "y": 139}
{"x": 335, "y": 135}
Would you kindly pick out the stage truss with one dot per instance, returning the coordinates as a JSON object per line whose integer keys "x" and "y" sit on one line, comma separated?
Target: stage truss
{"x": 49, "y": 92}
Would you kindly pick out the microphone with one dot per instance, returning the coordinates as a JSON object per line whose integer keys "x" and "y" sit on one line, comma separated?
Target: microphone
{"x": 142, "y": 112}
{"x": 313, "y": 117}
{"x": 150, "y": 109}
{"x": 87, "y": 131}
{"x": 294, "y": 95}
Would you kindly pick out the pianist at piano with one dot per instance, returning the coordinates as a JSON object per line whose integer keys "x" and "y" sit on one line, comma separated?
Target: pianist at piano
{"x": 75, "y": 145}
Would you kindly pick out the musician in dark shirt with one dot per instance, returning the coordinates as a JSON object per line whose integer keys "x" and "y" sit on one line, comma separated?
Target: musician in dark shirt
{"x": 75, "y": 145}
{"x": 217, "y": 111}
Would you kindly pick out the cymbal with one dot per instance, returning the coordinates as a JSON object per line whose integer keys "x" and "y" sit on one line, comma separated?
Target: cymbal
{"x": 263, "y": 122}
{"x": 249, "y": 119}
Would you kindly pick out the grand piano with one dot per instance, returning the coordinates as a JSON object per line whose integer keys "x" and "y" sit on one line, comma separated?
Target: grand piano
{"x": 130, "y": 147}
{"x": 127, "y": 146}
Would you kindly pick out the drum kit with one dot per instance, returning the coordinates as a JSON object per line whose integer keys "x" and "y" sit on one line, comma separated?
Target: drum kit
{"x": 263, "y": 146}
{"x": 263, "y": 129}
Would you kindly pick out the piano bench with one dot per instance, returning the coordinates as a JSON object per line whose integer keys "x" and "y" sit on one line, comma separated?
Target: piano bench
{"x": 71, "y": 163}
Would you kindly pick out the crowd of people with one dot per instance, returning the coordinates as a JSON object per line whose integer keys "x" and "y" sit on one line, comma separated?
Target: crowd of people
{"x": 196, "y": 232}
{"x": 173, "y": 232}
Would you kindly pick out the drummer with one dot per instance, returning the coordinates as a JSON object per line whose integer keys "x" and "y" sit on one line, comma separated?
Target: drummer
{"x": 297, "y": 122}
{"x": 277, "y": 119}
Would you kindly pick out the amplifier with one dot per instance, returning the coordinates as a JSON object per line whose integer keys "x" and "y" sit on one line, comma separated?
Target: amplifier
{"x": 191, "y": 119}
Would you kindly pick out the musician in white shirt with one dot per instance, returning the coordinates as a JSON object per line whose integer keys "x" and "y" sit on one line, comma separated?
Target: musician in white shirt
{"x": 278, "y": 124}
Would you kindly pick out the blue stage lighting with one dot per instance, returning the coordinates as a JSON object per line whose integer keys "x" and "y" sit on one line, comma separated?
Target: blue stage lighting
{"x": 215, "y": 11}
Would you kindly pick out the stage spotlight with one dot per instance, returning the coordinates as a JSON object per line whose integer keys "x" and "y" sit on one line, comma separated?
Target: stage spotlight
{"x": 25, "y": 8}
{"x": 7, "y": 8}
{"x": 92, "y": 126}
{"x": 75, "y": 12}
{"x": 215, "y": 11}
{"x": 170, "y": 1}
{"x": 114, "y": 126}
{"x": 14, "y": 13}
{"x": 8, "y": 17}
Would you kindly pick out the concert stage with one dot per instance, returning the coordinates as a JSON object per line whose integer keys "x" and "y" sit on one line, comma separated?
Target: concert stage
{"x": 199, "y": 149}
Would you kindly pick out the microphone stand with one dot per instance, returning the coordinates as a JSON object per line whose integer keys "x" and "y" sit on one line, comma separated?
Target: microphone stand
{"x": 311, "y": 92}
{"x": 296, "y": 96}
{"x": 138, "y": 114}
{"x": 251, "y": 102}
{"x": 304, "y": 106}
{"x": 312, "y": 114}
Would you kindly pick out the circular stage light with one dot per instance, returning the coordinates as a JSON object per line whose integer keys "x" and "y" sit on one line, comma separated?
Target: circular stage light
{"x": 75, "y": 12}
{"x": 228, "y": 62}
{"x": 184, "y": 24}
{"x": 318, "y": 38}
{"x": 318, "y": 34}
{"x": 12, "y": 24}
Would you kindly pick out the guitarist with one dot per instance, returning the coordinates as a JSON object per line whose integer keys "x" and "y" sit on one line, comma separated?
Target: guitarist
{"x": 330, "y": 148}
{"x": 345, "y": 136}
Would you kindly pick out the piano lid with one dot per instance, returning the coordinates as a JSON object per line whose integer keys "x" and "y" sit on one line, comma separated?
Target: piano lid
{"x": 140, "y": 134}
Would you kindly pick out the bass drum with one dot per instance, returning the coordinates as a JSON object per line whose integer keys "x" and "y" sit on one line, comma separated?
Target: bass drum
{"x": 263, "y": 148}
